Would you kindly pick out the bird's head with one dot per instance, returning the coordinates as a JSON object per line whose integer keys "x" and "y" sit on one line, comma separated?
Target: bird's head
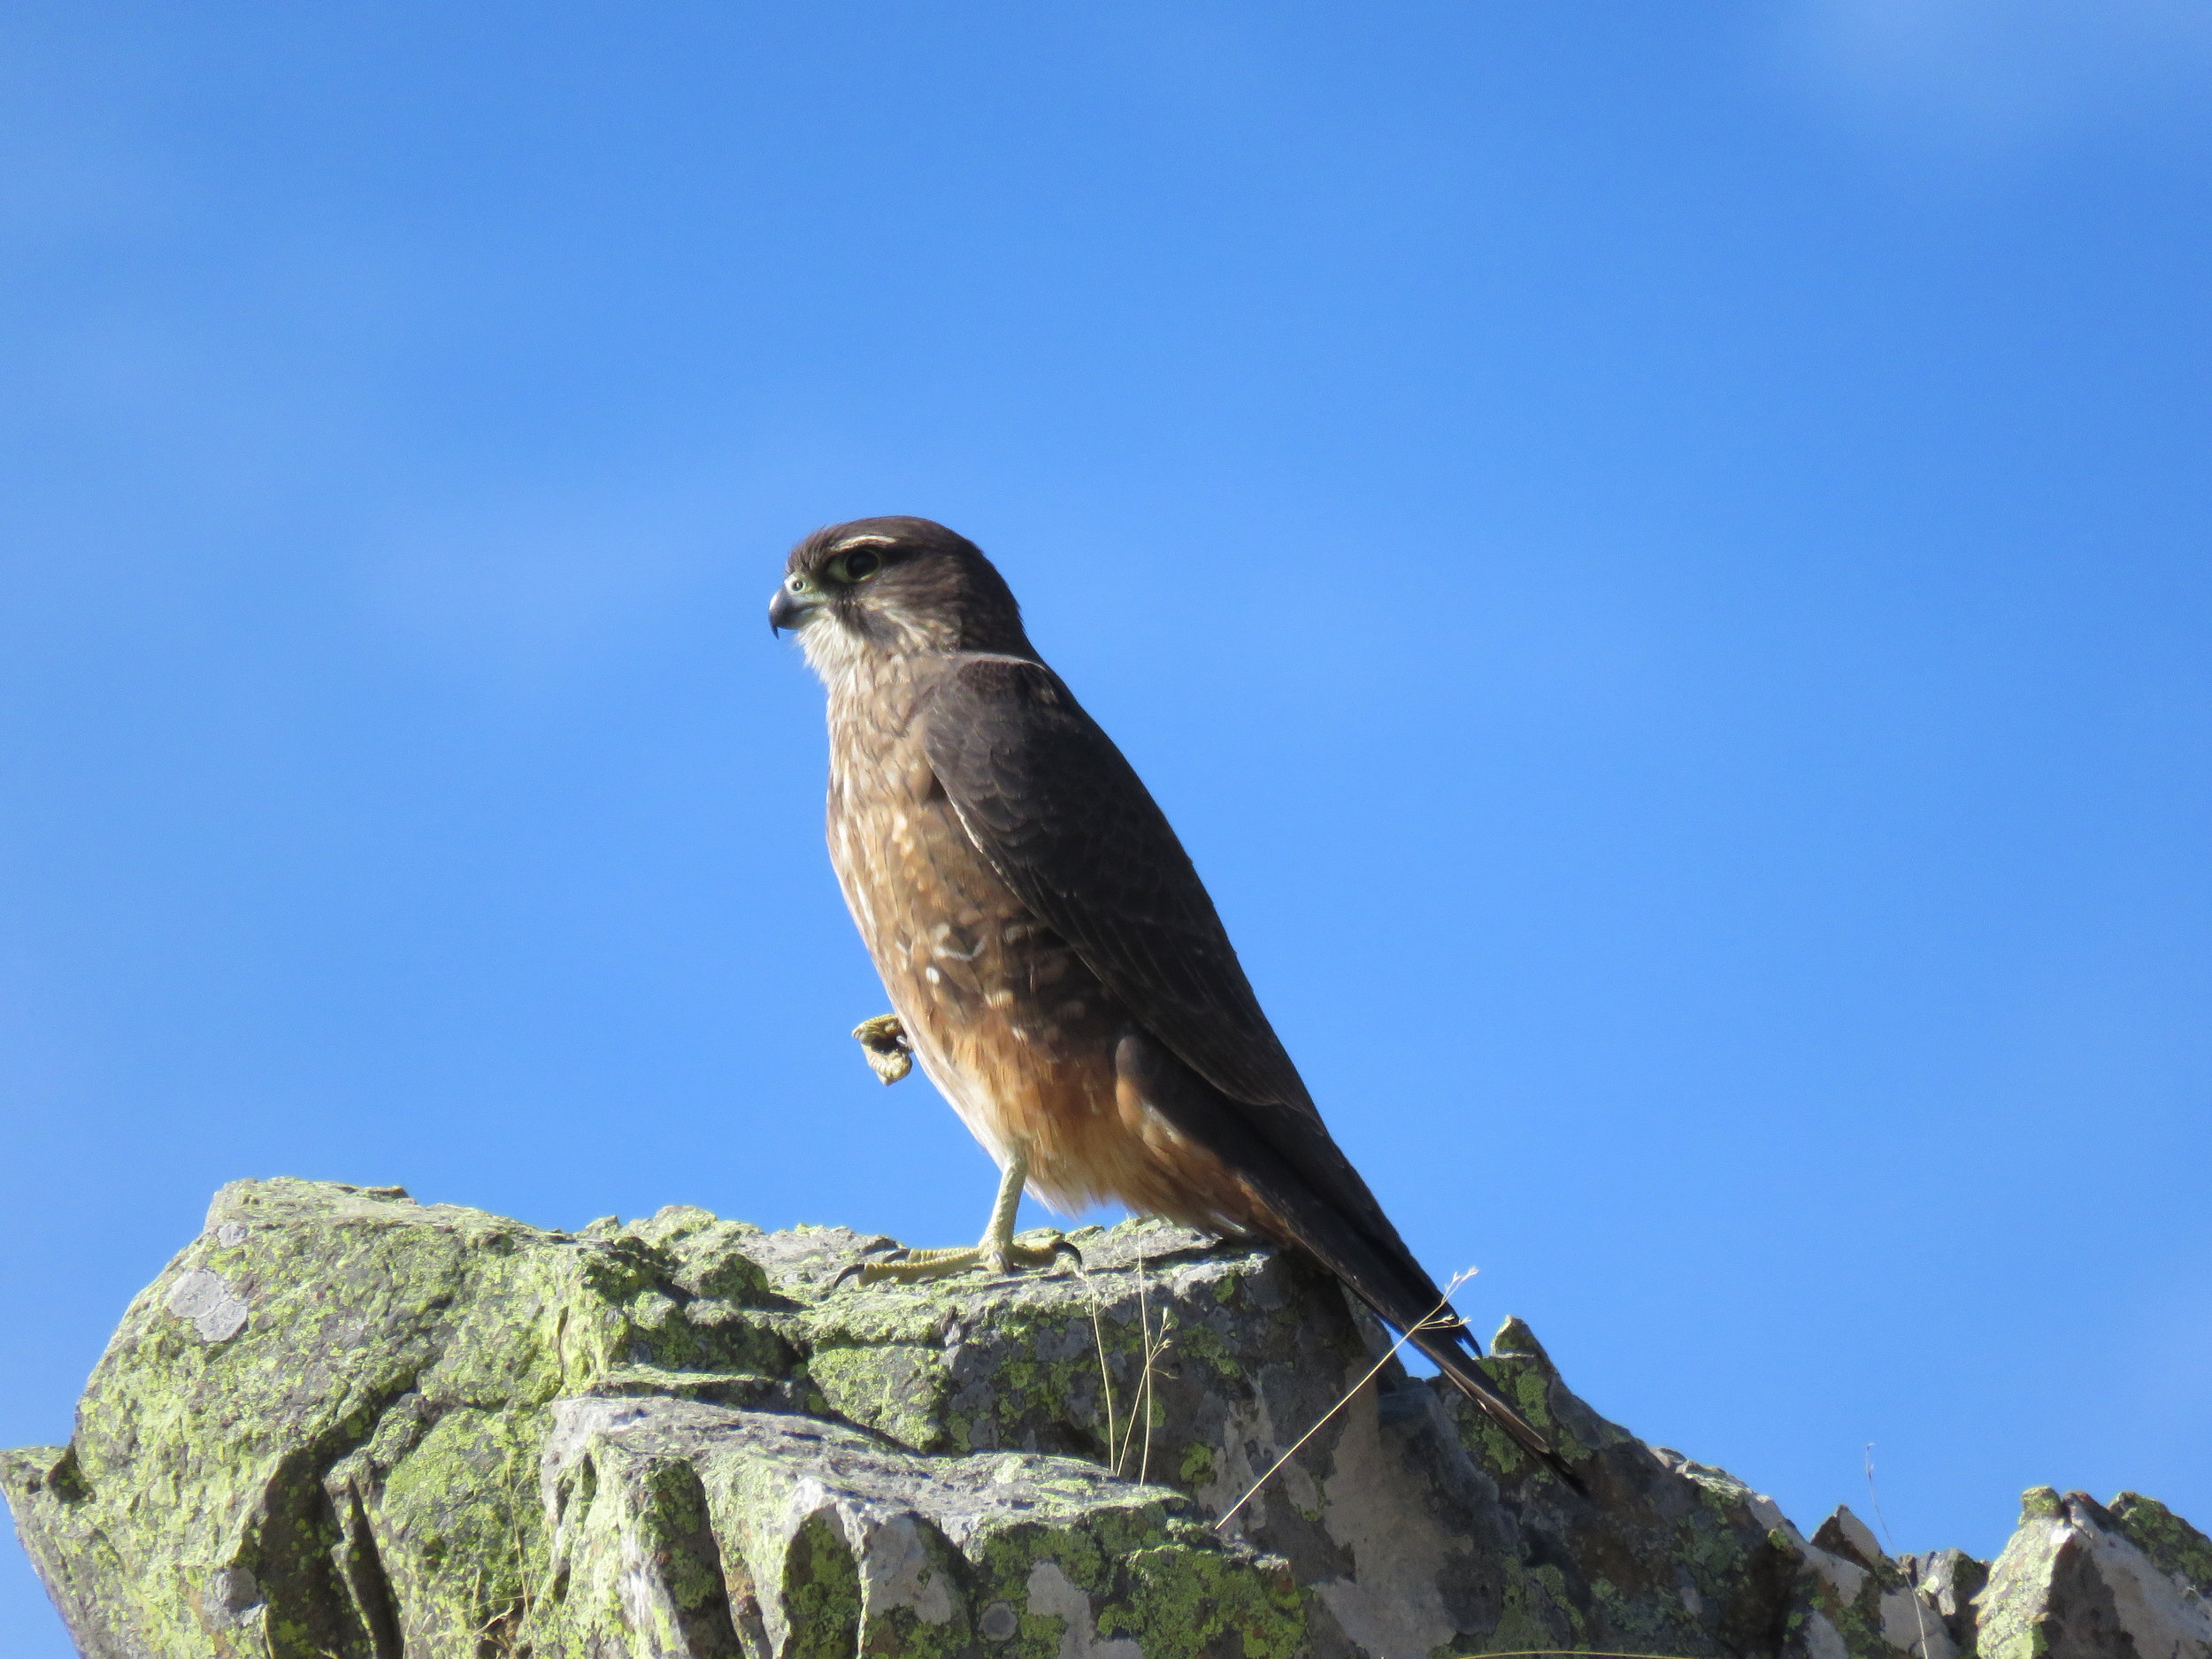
{"x": 885, "y": 587}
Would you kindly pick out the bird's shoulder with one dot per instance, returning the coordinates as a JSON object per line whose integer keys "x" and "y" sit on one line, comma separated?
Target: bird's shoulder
{"x": 992, "y": 677}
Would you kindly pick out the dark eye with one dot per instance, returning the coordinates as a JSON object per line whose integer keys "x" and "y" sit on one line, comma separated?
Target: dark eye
{"x": 861, "y": 565}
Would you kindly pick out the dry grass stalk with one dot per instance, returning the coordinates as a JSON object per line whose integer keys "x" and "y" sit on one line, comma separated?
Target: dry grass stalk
{"x": 1121, "y": 1436}
{"x": 1427, "y": 1322}
{"x": 516, "y": 1615}
{"x": 1919, "y": 1612}
{"x": 1152, "y": 1348}
{"x": 1105, "y": 1372}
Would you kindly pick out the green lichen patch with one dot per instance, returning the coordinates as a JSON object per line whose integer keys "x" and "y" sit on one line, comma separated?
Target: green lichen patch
{"x": 2175, "y": 1545}
{"x": 1191, "y": 1598}
{"x": 897, "y": 1389}
{"x": 821, "y": 1592}
{"x": 453, "y": 1520}
{"x": 2041, "y": 1503}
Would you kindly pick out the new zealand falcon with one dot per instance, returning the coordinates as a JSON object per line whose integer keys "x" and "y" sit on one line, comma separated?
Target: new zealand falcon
{"x": 1055, "y": 963}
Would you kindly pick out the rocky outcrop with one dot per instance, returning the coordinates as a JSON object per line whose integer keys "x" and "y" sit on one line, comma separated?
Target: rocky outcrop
{"x": 344, "y": 1425}
{"x": 2082, "y": 1581}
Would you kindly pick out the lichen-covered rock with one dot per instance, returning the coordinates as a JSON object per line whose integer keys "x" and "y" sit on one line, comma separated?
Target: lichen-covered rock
{"x": 344, "y": 1425}
{"x": 682, "y": 1528}
{"x": 1950, "y": 1579}
{"x": 1863, "y": 1602}
{"x": 2080, "y": 1581}
{"x": 2180, "y": 1551}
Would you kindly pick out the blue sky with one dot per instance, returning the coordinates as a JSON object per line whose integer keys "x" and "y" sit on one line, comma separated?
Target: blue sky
{"x": 1657, "y": 556}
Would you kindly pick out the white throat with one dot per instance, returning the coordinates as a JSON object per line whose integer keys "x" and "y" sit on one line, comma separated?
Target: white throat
{"x": 832, "y": 652}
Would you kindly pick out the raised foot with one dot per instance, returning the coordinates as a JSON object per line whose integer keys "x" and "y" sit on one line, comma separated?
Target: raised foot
{"x": 916, "y": 1267}
{"x": 883, "y": 1040}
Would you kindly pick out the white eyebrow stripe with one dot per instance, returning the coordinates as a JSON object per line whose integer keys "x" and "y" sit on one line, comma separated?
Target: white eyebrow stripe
{"x": 862, "y": 541}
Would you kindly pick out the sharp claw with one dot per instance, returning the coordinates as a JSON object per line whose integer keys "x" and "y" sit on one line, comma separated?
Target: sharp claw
{"x": 858, "y": 1270}
{"x": 1061, "y": 1246}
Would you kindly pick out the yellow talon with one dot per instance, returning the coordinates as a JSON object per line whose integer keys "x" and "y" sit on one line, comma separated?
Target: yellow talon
{"x": 883, "y": 1041}
{"x": 918, "y": 1267}
{"x": 998, "y": 1253}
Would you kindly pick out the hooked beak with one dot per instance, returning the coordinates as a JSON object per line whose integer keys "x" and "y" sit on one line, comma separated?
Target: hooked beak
{"x": 791, "y": 607}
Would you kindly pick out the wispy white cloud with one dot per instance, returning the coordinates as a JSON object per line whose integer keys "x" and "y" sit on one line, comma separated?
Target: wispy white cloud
{"x": 2001, "y": 73}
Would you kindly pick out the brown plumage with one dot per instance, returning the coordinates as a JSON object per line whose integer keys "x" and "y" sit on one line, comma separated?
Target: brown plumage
{"x": 1056, "y": 963}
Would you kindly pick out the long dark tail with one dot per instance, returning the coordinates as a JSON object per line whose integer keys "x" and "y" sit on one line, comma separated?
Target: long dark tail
{"x": 1315, "y": 1202}
{"x": 1453, "y": 1362}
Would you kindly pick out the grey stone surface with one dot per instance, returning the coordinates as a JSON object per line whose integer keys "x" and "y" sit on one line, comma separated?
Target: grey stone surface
{"x": 201, "y": 1299}
{"x": 344, "y": 1425}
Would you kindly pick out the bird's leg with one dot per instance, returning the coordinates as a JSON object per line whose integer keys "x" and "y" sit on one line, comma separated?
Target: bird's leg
{"x": 884, "y": 1041}
{"x": 998, "y": 1245}
{"x": 997, "y": 1253}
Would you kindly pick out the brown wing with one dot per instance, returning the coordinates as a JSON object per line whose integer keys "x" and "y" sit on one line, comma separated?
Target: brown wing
{"x": 1069, "y": 826}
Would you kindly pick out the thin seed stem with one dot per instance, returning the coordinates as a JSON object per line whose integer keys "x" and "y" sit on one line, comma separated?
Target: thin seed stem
{"x": 1422, "y": 1323}
{"x": 1920, "y": 1615}
{"x": 1139, "y": 1404}
{"x": 1152, "y": 1351}
{"x": 1105, "y": 1372}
